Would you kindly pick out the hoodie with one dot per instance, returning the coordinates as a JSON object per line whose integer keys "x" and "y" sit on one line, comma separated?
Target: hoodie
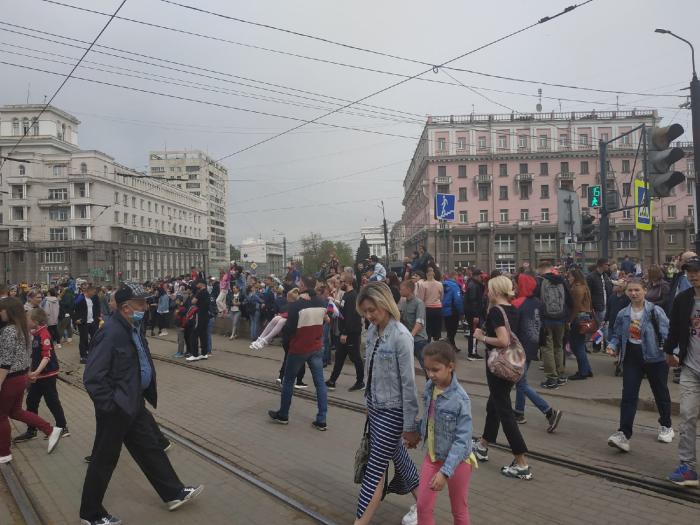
{"x": 51, "y": 307}
{"x": 529, "y": 315}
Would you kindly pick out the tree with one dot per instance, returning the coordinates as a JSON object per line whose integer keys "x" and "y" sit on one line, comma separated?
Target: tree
{"x": 315, "y": 251}
{"x": 344, "y": 253}
{"x": 234, "y": 253}
{"x": 362, "y": 251}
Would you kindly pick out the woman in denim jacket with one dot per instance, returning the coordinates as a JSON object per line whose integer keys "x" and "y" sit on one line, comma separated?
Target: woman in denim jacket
{"x": 392, "y": 402}
{"x": 637, "y": 338}
{"x": 446, "y": 430}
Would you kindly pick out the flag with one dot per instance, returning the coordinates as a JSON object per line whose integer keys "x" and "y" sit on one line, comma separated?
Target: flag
{"x": 597, "y": 336}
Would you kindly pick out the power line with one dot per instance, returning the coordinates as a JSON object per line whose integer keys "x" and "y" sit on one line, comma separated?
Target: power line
{"x": 479, "y": 94}
{"x": 313, "y": 205}
{"x": 26, "y": 131}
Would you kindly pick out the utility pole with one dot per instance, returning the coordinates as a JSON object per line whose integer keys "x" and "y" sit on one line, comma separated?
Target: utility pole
{"x": 604, "y": 218}
{"x": 386, "y": 237}
{"x": 284, "y": 251}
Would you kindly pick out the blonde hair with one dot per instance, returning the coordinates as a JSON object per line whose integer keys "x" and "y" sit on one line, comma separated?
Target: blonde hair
{"x": 293, "y": 294}
{"x": 380, "y": 294}
{"x": 502, "y": 287}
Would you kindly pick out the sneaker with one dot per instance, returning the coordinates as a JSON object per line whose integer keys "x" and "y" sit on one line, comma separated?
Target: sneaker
{"x": 411, "y": 517}
{"x": 551, "y": 384}
{"x": 83, "y": 360}
{"x": 541, "y": 367}
{"x": 65, "y": 432}
{"x": 54, "y": 437}
{"x": 666, "y": 434}
{"x": 516, "y": 471}
{"x": 231, "y": 338}
{"x": 205, "y": 356}
{"x": 106, "y": 520}
{"x": 27, "y": 436}
{"x": 178, "y": 354}
{"x": 474, "y": 357}
{"x": 278, "y": 380}
{"x": 619, "y": 440}
{"x": 5, "y": 459}
{"x": 578, "y": 377}
{"x": 191, "y": 358}
{"x": 356, "y": 387}
{"x": 87, "y": 459}
{"x": 562, "y": 381}
{"x": 69, "y": 340}
{"x": 520, "y": 419}
{"x": 683, "y": 475}
{"x": 330, "y": 385}
{"x": 553, "y": 418}
{"x": 301, "y": 385}
{"x": 168, "y": 446}
{"x": 58, "y": 346}
{"x": 480, "y": 451}
{"x": 187, "y": 494}
{"x": 275, "y": 416}
{"x": 319, "y": 426}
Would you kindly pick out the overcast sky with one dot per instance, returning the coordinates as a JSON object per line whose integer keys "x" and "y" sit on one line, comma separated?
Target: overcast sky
{"x": 320, "y": 178}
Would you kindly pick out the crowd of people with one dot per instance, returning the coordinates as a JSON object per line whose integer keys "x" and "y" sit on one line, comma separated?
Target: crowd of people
{"x": 648, "y": 321}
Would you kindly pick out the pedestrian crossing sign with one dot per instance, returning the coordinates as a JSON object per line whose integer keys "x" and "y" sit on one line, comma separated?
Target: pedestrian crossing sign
{"x": 642, "y": 212}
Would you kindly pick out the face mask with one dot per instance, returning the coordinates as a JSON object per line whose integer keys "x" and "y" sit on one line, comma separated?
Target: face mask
{"x": 138, "y": 316}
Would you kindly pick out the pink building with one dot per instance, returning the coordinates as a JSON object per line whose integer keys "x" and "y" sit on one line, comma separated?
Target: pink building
{"x": 505, "y": 171}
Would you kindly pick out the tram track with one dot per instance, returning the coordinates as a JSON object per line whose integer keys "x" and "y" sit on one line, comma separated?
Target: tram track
{"x": 656, "y": 486}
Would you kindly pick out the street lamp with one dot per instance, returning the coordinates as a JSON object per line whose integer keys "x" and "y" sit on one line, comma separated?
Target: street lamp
{"x": 695, "y": 113}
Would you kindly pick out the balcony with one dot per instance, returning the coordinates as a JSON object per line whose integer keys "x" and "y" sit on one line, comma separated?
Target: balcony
{"x": 484, "y": 225}
{"x": 443, "y": 180}
{"x": 569, "y": 175}
{"x": 524, "y": 177}
{"x": 47, "y": 203}
{"x": 484, "y": 178}
{"x": 524, "y": 225}
{"x": 689, "y": 221}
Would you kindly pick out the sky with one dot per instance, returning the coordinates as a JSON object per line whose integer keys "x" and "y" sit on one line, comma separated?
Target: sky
{"x": 323, "y": 177}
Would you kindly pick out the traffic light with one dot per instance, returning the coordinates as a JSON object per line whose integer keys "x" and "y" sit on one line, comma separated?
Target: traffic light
{"x": 660, "y": 158}
{"x": 594, "y": 196}
{"x": 587, "y": 228}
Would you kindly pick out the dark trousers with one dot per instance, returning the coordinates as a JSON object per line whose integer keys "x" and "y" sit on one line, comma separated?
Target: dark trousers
{"x": 161, "y": 321}
{"x": 189, "y": 334}
{"x": 633, "y": 370}
{"x": 152, "y": 318}
{"x": 86, "y": 331}
{"x": 499, "y": 411}
{"x": 142, "y": 442}
{"x": 470, "y": 316}
{"x": 433, "y": 323}
{"x": 200, "y": 338}
{"x": 451, "y": 325}
{"x": 55, "y": 337}
{"x": 45, "y": 388}
{"x": 302, "y": 370}
{"x": 351, "y": 348}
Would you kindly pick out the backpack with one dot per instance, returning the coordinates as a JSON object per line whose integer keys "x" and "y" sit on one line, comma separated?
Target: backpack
{"x": 553, "y": 297}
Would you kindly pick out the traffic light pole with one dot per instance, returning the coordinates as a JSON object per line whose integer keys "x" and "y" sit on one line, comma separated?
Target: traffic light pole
{"x": 695, "y": 111}
{"x": 604, "y": 218}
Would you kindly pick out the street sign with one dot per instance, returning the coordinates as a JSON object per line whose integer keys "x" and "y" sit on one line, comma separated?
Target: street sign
{"x": 253, "y": 266}
{"x": 642, "y": 214}
{"x": 594, "y": 196}
{"x": 445, "y": 207}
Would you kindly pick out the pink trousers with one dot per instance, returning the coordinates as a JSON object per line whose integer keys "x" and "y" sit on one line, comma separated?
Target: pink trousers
{"x": 457, "y": 485}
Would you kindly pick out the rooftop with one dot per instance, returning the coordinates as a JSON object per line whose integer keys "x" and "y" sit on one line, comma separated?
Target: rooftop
{"x": 38, "y": 108}
{"x": 543, "y": 117}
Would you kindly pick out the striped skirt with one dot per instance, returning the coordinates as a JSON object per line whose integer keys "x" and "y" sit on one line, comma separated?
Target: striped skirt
{"x": 385, "y": 444}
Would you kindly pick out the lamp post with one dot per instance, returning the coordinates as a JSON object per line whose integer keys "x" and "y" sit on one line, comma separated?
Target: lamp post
{"x": 695, "y": 113}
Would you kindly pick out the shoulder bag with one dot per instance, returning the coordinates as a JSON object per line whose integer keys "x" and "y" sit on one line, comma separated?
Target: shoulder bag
{"x": 362, "y": 452}
{"x": 508, "y": 363}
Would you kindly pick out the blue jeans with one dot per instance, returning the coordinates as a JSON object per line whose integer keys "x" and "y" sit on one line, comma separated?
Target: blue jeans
{"x": 418, "y": 345}
{"x": 326, "y": 343}
{"x": 522, "y": 389}
{"x": 210, "y": 330}
{"x": 294, "y": 363}
{"x": 578, "y": 347}
{"x": 254, "y": 325}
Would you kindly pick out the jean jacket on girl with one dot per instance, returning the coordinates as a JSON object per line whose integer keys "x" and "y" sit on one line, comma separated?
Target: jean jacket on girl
{"x": 652, "y": 348}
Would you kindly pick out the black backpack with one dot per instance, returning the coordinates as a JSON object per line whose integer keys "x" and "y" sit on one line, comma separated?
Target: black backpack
{"x": 553, "y": 297}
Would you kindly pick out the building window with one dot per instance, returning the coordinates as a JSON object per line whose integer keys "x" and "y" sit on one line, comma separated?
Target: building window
{"x": 523, "y": 168}
{"x": 627, "y": 214}
{"x": 58, "y": 194}
{"x": 462, "y": 194}
{"x": 81, "y": 211}
{"x": 22, "y": 169}
{"x": 564, "y": 168}
{"x": 483, "y": 215}
{"x": 116, "y": 197}
{"x": 133, "y": 202}
{"x": 15, "y": 127}
{"x": 503, "y": 216}
{"x": 625, "y": 166}
{"x": 462, "y": 171}
{"x": 59, "y": 214}
{"x": 18, "y": 234}
{"x": 626, "y": 239}
{"x": 584, "y": 191}
{"x": 626, "y": 140}
{"x": 564, "y": 140}
{"x": 126, "y": 200}
{"x": 583, "y": 139}
{"x": 543, "y": 142}
{"x": 503, "y": 193}
{"x": 80, "y": 190}
{"x": 690, "y": 186}
{"x": 442, "y": 171}
{"x": 544, "y": 168}
{"x": 482, "y": 142}
{"x": 57, "y": 170}
{"x": 671, "y": 212}
{"x": 17, "y": 191}
{"x": 505, "y": 265}
{"x": 567, "y": 185}
{"x": 524, "y": 188}
{"x": 58, "y": 234}
{"x": 157, "y": 169}
{"x": 126, "y": 218}
{"x": 443, "y": 188}
{"x": 626, "y": 189}
{"x": 83, "y": 168}
{"x": 544, "y": 215}
{"x": 545, "y": 242}
{"x": 25, "y": 126}
{"x": 544, "y": 191}
{"x": 522, "y": 141}
{"x": 464, "y": 244}
{"x": 584, "y": 167}
{"x": 604, "y": 137}
{"x": 483, "y": 192}
{"x": 116, "y": 217}
{"x": 504, "y": 243}
{"x": 691, "y": 211}
{"x": 133, "y": 220}
{"x": 461, "y": 143}
{"x": 502, "y": 144}
{"x": 463, "y": 217}
{"x": 671, "y": 238}
{"x": 524, "y": 214}
{"x": 54, "y": 256}
{"x": 483, "y": 169}
{"x": 441, "y": 147}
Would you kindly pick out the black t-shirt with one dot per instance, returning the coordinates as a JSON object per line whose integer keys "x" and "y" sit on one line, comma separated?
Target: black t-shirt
{"x": 494, "y": 319}
{"x": 203, "y": 300}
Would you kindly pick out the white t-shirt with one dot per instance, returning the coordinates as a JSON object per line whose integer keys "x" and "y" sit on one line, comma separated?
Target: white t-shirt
{"x": 635, "y": 335}
{"x": 692, "y": 360}
{"x": 90, "y": 316}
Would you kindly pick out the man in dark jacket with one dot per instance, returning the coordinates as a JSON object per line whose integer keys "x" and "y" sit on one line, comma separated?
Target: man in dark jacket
{"x": 601, "y": 289}
{"x": 452, "y": 306}
{"x": 120, "y": 377}
{"x": 350, "y": 334}
{"x": 200, "y": 337}
{"x": 86, "y": 316}
{"x": 684, "y": 334}
{"x": 473, "y": 310}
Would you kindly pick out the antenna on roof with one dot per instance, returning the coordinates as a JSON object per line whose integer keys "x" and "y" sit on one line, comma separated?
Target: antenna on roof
{"x": 29, "y": 87}
{"x": 538, "y": 107}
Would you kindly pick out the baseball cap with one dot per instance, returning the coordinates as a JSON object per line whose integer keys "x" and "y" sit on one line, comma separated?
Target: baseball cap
{"x": 692, "y": 264}
{"x": 130, "y": 291}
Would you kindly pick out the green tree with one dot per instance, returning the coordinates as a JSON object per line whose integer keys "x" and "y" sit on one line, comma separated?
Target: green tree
{"x": 362, "y": 251}
{"x": 315, "y": 251}
{"x": 234, "y": 253}
{"x": 344, "y": 253}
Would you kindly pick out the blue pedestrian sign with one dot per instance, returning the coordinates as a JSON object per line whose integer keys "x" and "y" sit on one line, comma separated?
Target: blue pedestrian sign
{"x": 643, "y": 203}
{"x": 445, "y": 207}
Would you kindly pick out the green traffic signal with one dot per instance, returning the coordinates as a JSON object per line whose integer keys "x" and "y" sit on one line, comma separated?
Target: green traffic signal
{"x": 594, "y": 196}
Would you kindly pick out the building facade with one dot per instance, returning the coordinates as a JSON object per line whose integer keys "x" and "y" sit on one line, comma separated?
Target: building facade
{"x": 505, "y": 170}
{"x": 267, "y": 257}
{"x": 202, "y": 176}
{"x": 67, "y": 211}
{"x": 375, "y": 239}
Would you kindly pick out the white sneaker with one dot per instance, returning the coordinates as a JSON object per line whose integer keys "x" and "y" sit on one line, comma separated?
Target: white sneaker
{"x": 666, "y": 434}
{"x": 231, "y": 338}
{"x": 619, "y": 440}
{"x": 205, "y": 356}
{"x": 58, "y": 345}
{"x": 69, "y": 340}
{"x": 162, "y": 334}
{"x": 192, "y": 358}
{"x": 411, "y": 517}
{"x": 5, "y": 459}
{"x": 55, "y": 435}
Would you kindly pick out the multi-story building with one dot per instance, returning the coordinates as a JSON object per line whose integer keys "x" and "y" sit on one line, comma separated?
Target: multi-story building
{"x": 396, "y": 241}
{"x": 375, "y": 239}
{"x": 505, "y": 170}
{"x": 263, "y": 256}
{"x": 201, "y": 176}
{"x": 67, "y": 211}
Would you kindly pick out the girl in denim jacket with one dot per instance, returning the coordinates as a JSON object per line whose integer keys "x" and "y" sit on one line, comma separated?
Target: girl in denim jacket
{"x": 637, "y": 339}
{"x": 446, "y": 430}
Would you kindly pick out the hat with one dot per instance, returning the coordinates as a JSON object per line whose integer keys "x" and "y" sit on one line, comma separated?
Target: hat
{"x": 130, "y": 291}
{"x": 692, "y": 264}
{"x": 476, "y": 271}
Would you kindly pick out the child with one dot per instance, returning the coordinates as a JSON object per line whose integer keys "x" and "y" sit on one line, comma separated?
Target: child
{"x": 180, "y": 322}
{"x": 275, "y": 326}
{"x": 637, "y": 338}
{"x": 52, "y": 309}
{"x": 43, "y": 375}
{"x": 233, "y": 303}
{"x": 446, "y": 430}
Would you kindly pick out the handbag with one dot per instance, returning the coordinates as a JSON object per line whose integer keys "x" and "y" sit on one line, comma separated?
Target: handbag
{"x": 585, "y": 323}
{"x": 508, "y": 363}
{"x": 362, "y": 455}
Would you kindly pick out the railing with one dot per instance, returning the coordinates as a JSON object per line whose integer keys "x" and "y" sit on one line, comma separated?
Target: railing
{"x": 53, "y": 202}
{"x": 525, "y": 117}
{"x": 524, "y": 177}
{"x": 483, "y": 179}
{"x": 484, "y": 225}
{"x": 524, "y": 224}
{"x": 569, "y": 175}
{"x": 443, "y": 180}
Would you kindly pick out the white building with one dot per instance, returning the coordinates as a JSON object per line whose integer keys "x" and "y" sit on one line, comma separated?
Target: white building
{"x": 267, "y": 257}
{"x": 375, "y": 239}
{"x": 202, "y": 176}
{"x": 65, "y": 211}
